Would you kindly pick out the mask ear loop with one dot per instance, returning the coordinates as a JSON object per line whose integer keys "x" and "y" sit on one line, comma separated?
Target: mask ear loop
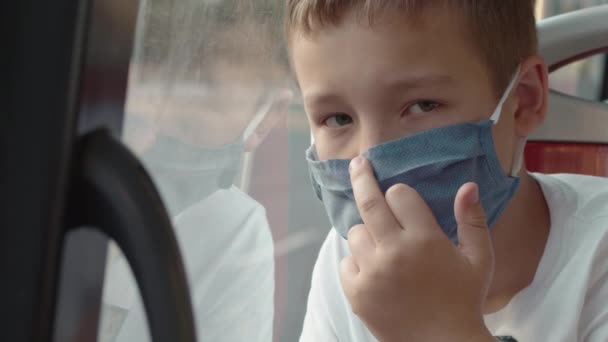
{"x": 247, "y": 161}
{"x": 496, "y": 115}
{"x": 258, "y": 117}
{"x": 518, "y": 156}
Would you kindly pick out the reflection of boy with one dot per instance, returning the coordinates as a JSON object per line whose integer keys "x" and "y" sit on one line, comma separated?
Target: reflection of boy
{"x": 414, "y": 87}
{"x": 223, "y": 235}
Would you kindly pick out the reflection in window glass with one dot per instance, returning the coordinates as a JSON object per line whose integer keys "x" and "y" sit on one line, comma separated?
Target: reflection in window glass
{"x": 206, "y": 109}
{"x": 584, "y": 78}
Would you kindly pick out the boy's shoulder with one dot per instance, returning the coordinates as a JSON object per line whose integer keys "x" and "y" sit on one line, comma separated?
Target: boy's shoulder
{"x": 580, "y": 197}
{"x": 573, "y": 270}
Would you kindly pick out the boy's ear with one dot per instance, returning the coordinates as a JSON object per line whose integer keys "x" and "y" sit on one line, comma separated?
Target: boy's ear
{"x": 532, "y": 94}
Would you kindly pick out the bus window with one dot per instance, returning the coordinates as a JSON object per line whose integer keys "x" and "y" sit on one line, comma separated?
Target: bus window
{"x": 584, "y": 78}
{"x": 207, "y": 106}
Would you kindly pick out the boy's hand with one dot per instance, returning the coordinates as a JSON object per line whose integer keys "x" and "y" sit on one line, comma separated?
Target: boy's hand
{"x": 405, "y": 279}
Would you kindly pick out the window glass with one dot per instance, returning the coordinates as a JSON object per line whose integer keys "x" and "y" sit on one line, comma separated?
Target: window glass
{"x": 213, "y": 116}
{"x": 209, "y": 113}
{"x": 584, "y": 78}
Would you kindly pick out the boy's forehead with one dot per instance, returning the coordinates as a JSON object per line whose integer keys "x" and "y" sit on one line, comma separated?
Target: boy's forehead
{"x": 435, "y": 48}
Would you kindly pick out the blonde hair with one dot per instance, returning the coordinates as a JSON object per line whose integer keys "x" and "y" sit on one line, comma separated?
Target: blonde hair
{"x": 503, "y": 31}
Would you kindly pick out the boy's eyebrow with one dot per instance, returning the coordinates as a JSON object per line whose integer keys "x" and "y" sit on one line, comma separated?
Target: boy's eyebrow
{"x": 413, "y": 82}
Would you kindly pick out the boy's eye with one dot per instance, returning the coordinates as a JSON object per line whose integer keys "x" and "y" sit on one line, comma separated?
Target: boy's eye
{"x": 423, "y": 107}
{"x": 338, "y": 120}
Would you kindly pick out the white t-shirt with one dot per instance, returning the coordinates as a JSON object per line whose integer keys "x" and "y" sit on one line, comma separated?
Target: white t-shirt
{"x": 228, "y": 254}
{"x": 567, "y": 300}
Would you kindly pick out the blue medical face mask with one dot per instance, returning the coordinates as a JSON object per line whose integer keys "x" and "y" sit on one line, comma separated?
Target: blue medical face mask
{"x": 436, "y": 163}
{"x": 186, "y": 173}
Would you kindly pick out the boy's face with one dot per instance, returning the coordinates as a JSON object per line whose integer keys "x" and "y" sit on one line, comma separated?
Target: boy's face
{"x": 363, "y": 85}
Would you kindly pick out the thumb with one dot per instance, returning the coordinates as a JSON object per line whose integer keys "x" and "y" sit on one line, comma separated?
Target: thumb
{"x": 473, "y": 233}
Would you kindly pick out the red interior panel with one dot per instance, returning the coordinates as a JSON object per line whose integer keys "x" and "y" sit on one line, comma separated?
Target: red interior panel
{"x": 561, "y": 157}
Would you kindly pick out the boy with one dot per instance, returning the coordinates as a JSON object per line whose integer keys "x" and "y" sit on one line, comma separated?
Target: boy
{"x": 425, "y": 97}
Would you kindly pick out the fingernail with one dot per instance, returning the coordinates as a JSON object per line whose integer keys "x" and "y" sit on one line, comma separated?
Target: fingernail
{"x": 355, "y": 163}
{"x": 475, "y": 195}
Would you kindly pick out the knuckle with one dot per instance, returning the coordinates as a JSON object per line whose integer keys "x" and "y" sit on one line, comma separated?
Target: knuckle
{"x": 356, "y": 176}
{"x": 357, "y": 237}
{"x": 369, "y": 203}
{"x": 355, "y": 231}
{"x": 477, "y": 220}
{"x": 357, "y": 307}
{"x": 344, "y": 262}
{"x": 397, "y": 191}
{"x": 358, "y": 293}
{"x": 346, "y": 269}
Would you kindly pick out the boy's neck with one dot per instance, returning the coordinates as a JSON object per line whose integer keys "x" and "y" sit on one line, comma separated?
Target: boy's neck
{"x": 519, "y": 237}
